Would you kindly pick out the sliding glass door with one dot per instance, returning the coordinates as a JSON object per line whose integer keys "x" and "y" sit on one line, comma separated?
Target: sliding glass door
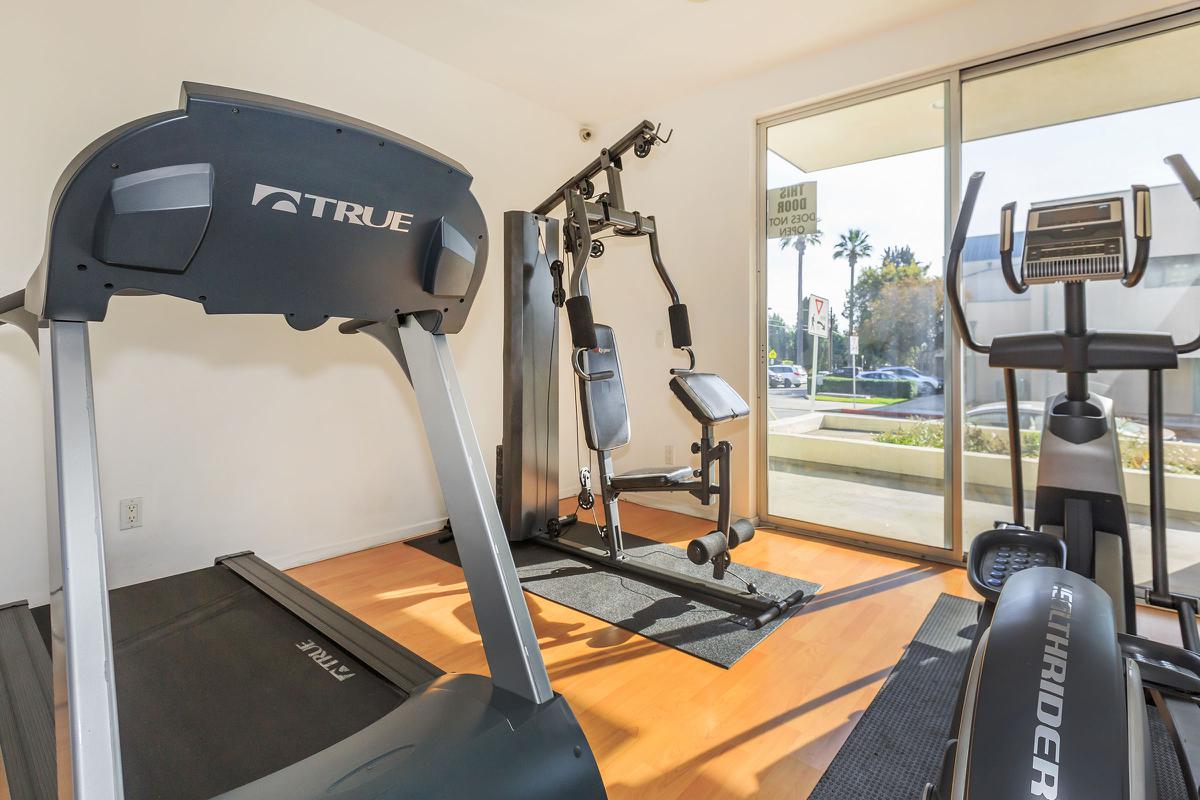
{"x": 1082, "y": 125}
{"x": 874, "y": 425}
{"x": 854, "y": 364}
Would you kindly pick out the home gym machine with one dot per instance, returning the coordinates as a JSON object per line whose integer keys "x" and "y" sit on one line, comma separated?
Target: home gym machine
{"x": 1054, "y": 701}
{"x": 235, "y": 680}
{"x": 527, "y": 467}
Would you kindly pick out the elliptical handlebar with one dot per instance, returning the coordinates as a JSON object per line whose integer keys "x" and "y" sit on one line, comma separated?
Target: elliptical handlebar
{"x": 1191, "y": 185}
{"x": 1016, "y": 283}
{"x": 954, "y": 264}
{"x": 1141, "y": 234}
{"x": 1184, "y": 171}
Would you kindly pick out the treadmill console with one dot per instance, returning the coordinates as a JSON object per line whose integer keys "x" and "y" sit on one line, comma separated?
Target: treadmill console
{"x": 1075, "y": 241}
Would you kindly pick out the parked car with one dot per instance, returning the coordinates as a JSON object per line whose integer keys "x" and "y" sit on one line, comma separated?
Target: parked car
{"x": 926, "y": 384}
{"x": 1029, "y": 413}
{"x": 789, "y": 376}
{"x": 847, "y": 372}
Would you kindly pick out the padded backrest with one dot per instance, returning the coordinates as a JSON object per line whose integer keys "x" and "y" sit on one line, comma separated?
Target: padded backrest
{"x": 708, "y": 398}
{"x": 605, "y": 410}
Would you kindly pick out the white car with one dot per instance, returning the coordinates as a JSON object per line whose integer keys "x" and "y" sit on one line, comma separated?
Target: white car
{"x": 789, "y": 376}
{"x": 926, "y": 384}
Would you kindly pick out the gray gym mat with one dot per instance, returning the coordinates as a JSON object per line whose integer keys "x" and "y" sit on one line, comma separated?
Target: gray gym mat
{"x": 896, "y": 747}
{"x": 639, "y": 606}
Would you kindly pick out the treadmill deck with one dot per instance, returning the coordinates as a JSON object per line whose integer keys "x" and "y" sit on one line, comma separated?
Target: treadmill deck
{"x": 218, "y": 684}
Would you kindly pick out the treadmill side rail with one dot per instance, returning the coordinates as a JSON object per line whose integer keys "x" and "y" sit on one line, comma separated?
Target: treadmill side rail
{"x": 85, "y": 701}
{"x": 26, "y": 708}
{"x": 395, "y": 663}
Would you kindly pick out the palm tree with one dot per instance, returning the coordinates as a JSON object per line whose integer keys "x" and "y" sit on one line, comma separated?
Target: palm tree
{"x": 800, "y": 244}
{"x": 852, "y": 245}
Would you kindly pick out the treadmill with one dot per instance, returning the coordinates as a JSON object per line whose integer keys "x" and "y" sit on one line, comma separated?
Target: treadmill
{"x": 235, "y": 681}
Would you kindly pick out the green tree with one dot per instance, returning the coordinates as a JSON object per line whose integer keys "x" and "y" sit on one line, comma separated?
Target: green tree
{"x": 899, "y": 254}
{"x": 800, "y": 245}
{"x": 852, "y": 245}
{"x": 872, "y": 280}
{"x": 780, "y": 338}
{"x": 900, "y": 311}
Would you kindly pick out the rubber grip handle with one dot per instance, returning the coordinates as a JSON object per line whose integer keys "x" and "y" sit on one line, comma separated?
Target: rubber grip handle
{"x": 583, "y": 327}
{"x": 681, "y": 328}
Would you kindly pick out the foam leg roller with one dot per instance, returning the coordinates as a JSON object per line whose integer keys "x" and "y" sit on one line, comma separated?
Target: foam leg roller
{"x": 707, "y": 547}
{"x": 681, "y": 329}
{"x": 740, "y": 532}
{"x": 583, "y": 327}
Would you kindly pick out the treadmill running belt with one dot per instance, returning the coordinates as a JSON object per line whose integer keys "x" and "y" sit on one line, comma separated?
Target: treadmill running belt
{"x": 218, "y": 685}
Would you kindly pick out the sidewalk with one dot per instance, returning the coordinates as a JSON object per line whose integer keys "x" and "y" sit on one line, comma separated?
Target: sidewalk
{"x": 912, "y": 511}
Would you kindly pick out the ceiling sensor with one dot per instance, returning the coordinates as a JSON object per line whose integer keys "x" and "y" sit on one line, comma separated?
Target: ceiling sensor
{"x": 585, "y": 134}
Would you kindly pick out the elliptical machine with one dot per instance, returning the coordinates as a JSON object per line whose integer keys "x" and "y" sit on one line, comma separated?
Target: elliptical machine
{"x": 1054, "y": 700}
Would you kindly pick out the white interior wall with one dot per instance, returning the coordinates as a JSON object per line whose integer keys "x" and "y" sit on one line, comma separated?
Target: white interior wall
{"x": 702, "y": 189}
{"x": 238, "y": 432}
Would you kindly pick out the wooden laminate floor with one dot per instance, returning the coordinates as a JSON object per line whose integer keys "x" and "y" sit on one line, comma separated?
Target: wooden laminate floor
{"x": 664, "y": 724}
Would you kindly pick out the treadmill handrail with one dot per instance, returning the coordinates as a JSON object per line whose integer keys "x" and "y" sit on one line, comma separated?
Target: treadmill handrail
{"x": 14, "y": 312}
{"x": 12, "y": 302}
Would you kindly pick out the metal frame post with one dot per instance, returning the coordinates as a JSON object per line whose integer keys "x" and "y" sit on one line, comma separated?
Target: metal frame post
{"x": 509, "y": 640}
{"x": 529, "y": 469}
{"x": 85, "y": 700}
{"x": 612, "y": 514}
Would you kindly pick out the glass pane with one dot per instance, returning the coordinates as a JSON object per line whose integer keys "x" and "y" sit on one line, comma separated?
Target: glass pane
{"x": 855, "y": 229}
{"x": 1087, "y": 125}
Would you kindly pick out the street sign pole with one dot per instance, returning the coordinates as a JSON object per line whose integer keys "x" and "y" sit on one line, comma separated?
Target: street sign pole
{"x": 818, "y": 325}
{"x": 853, "y": 365}
{"x": 812, "y": 379}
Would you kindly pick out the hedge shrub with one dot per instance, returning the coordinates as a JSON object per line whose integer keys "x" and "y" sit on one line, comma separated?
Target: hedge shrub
{"x": 901, "y": 388}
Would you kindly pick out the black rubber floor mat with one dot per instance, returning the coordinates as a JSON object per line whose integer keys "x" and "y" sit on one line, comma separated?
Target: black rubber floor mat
{"x": 896, "y": 747}
{"x": 640, "y": 606}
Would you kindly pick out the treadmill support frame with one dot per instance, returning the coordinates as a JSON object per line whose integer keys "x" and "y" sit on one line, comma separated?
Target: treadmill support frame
{"x": 509, "y": 640}
{"x": 85, "y": 700}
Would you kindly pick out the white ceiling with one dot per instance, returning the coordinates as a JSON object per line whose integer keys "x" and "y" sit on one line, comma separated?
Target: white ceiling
{"x": 593, "y": 60}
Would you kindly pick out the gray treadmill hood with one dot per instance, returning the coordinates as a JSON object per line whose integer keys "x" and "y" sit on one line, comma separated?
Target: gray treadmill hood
{"x": 251, "y": 204}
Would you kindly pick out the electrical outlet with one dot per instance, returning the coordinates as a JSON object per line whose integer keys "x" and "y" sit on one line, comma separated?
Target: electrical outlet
{"x": 130, "y": 513}
{"x": 669, "y": 454}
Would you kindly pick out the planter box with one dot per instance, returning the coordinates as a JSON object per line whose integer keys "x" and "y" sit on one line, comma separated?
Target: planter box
{"x": 983, "y": 469}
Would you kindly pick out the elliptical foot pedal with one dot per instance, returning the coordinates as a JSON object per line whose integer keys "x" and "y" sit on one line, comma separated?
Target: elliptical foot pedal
{"x": 997, "y": 555}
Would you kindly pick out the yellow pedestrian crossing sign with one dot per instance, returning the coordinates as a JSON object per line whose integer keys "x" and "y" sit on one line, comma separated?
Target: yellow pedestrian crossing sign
{"x": 772, "y": 355}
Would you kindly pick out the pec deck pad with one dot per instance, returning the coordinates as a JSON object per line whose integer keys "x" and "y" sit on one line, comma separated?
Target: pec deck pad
{"x": 251, "y": 204}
